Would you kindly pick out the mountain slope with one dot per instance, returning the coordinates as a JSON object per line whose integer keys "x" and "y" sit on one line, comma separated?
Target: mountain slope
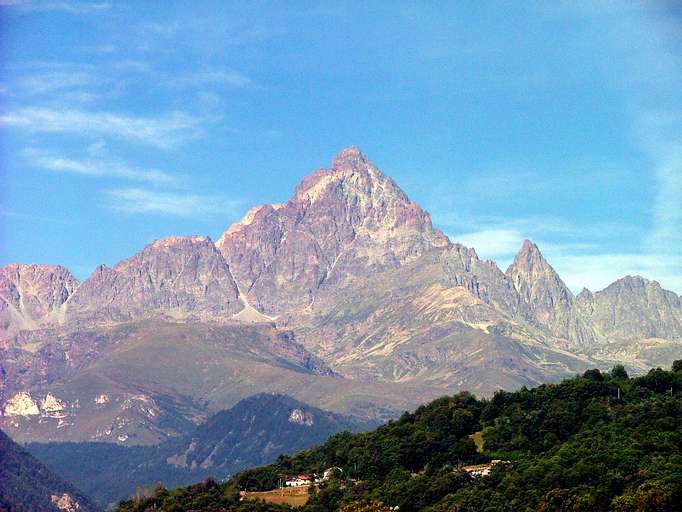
{"x": 28, "y": 486}
{"x": 143, "y": 382}
{"x": 255, "y": 431}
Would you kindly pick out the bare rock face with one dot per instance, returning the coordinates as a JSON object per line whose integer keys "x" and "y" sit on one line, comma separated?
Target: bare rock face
{"x": 177, "y": 277}
{"x": 65, "y": 502}
{"x": 550, "y": 301}
{"x": 31, "y": 295}
{"x": 342, "y": 222}
{"x": 634, "y": 308}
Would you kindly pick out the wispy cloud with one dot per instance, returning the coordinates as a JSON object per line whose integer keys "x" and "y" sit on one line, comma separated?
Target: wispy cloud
{"x": 56, "y": 81}
{"x": 79, "y": 7}
{"x": 163, "y": 132}
{"x": 137, "y": 200}
{"x": 223, "y": 78}
{"x": 99, "y": 168}
{"x": 661, "y": 136}
{"x": 646, "y": 38}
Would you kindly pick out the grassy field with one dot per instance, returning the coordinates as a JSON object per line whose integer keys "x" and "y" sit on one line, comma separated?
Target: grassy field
{"x": 294, "y": 496}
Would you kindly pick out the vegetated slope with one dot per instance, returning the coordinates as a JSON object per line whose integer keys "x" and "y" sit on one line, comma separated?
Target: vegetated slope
{"x": 596, "y": 442}
{"x": 255, "y": 431}
{"x": 26, "y": 485}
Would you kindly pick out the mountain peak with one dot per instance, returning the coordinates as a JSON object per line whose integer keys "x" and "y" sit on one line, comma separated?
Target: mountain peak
{"x": 542, "y": 289}
{"x": 178, "y": 276}
{"x": 340, "y": 223}
{"x": 350, "y": 156}
{"x": 529, "y": 260}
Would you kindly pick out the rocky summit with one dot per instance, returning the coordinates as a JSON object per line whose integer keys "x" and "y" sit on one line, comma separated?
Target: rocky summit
{"x": 345, "y": 296}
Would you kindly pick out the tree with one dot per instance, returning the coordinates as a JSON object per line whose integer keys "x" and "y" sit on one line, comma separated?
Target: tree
{"x": 618, "y": 372}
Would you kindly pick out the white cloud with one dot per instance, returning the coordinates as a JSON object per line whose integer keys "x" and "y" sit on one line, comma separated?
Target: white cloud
{"x": 136, "y": 200}
{"x": 99, "y": 168}
{"x": 661, "y": 136}
{"x": 162, "y": 132}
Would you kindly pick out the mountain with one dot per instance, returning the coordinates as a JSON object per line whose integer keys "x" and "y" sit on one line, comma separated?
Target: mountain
{"x": 26, "y": 485}
{"x": 341, "y": 223}
{"x": 600, "y": 442}
{"x": 634, "y": 308}
{"x": 147, "y": 381}
{"x": 345, "y": 297}
{"x": 177, "y": 277}
{"x": 255, "y": 431}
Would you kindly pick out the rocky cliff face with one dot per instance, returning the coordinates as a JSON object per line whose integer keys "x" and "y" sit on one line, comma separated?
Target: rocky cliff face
{"x": 177, "y": 277}
{"x": 342, "y": 222}
{"x": 32, "y": 295}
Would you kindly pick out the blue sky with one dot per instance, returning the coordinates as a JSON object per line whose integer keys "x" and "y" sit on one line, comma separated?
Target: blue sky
{"x": 121, "y": 123}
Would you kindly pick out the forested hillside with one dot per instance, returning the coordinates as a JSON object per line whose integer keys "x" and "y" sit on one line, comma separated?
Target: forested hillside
{"x": 26, "y": 485}
{"x": 600, "y": 441}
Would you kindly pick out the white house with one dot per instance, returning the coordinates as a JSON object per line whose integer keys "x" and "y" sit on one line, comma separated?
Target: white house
{"x": 300, "y": 480}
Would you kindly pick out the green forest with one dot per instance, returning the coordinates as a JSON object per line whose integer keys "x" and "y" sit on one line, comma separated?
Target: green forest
{"x": 600, "y": 442}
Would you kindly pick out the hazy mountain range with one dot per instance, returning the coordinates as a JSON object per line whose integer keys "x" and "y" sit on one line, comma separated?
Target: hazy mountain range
{"x": 344, "y": 297}
{"x": 254, "y": 432}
